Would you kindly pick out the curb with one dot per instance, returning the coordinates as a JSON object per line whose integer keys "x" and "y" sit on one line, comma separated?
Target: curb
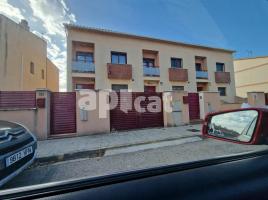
{"x": 94, "y": 153}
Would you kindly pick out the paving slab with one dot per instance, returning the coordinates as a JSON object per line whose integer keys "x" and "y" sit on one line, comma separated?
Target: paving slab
{"x": 63, "y": 148}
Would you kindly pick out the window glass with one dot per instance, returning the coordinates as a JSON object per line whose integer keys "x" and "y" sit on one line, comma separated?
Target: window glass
{"x": 220, "y": 67}
{"x": 122, "y": 59}
{"x": 118, "y": 58}
{"x": 118, "y": 87}
{"x": 177, "y": 88}
{"x": 222, "y": 91}
{"x": 176, "y": 62}
{"x": 84, "y": 57}
{"x": 148, "y": 62}
{"x": 198, "y": 67}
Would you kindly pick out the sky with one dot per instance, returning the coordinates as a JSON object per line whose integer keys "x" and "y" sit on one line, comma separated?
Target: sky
{"x": 240, "y": 25}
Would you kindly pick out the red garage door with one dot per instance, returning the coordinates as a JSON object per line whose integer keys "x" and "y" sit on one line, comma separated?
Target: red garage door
{"x": 63, "y": 113}
{"x": 133, "y": 119}
{"x": 193, "y": 100}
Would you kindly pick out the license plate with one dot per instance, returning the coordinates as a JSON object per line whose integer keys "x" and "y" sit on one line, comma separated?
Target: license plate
{"x": 18, "y": 156}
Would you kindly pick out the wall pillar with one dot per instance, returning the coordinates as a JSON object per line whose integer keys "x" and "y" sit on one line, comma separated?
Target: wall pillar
{"x": 256, "y": 98}
{"x": 208, "y": 102}
{"x": 175, "y": 108}
{"x": 42, "y": 126}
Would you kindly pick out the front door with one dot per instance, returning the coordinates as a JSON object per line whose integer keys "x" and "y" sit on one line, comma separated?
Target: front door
{"x": 193, "y": 100}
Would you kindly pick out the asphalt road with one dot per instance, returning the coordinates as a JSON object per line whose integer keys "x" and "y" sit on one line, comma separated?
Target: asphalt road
{"x": 115, "y": 163}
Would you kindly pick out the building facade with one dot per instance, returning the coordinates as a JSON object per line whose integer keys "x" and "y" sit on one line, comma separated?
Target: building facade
{"x": 100, "y": 59}
{"x": 23, "y": 59}
{"x": 251, "y": 75}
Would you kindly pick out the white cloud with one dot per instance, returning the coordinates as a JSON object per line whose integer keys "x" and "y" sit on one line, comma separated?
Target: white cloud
{"x": 52, "y": 15}
{"x": 10, "y": 11}
{"x": 46, "y": 18}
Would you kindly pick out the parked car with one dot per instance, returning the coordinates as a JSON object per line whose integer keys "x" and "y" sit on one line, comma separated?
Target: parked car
{"x": 17, "y": 150}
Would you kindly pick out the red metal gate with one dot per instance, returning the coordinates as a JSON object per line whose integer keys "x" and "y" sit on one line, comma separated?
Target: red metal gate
{"x": 63, "y": 113}
{"x": 194, "y": 111}
{"x": 119, "y": 120}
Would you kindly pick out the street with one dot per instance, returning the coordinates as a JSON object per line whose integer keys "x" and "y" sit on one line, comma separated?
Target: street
{"x": 115, "y": 162}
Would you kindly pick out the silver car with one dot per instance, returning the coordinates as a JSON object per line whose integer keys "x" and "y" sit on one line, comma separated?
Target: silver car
{"x": 17, "y": 150}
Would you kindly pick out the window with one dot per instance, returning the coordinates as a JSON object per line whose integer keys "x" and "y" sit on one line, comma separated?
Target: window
{"x": 32, "y": 68}
{"x": 118, "y": 87}
{"x": 177, "y": 88}
{"x": 198, "y": 67}
{"x": 220, "y": 67}
{"x": 84, "y": 57}
{"x": 43, "y": 74}
{"x": 176, "y": 62}
{"x": 222, "y": 91}
{"x": 148, "y": 62}
{"x": 118, "y": 58}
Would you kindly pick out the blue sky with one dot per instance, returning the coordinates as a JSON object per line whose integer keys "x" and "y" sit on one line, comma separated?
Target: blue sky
{"x": 241, "y": 25}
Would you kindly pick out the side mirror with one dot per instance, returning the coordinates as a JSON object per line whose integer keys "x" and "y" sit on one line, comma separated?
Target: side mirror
{"x": 244, "y": 126}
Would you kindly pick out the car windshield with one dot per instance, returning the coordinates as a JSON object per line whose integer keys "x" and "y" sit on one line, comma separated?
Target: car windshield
{"x": 92, "y": 88}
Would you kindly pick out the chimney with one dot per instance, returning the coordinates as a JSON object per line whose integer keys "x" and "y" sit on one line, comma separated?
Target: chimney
{"x": 24, "y": 24}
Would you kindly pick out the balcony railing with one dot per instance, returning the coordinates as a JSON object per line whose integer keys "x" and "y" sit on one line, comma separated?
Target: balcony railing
{"x": 202, "y": 74}
{"x": 222, "y": 77}
{"x": 83, "y": 67}
{"x": 177, "y": 74}
{"x": 119, "y": 71}
{"x": 151, "y": 71}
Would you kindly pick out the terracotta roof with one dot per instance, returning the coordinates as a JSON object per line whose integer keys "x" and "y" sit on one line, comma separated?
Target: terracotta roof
{"x": 106, "y": 31}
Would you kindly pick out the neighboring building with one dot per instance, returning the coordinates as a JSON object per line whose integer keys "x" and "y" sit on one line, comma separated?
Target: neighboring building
{"x": 102, "y": 59}
{"x": 251, "y": 75}
{"x": 23, "y": 59}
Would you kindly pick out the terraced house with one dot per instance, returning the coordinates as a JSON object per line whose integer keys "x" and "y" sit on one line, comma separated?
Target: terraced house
{"x": 102, "y": 59}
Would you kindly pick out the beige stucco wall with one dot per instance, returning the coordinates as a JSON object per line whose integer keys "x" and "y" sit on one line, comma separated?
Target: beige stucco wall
{"x": 208, "y": 102}
{"x": 94, "y": 124}
{"x": 170, "y": 99}
{"x": 251, "y": 75}
{"x": 105, "y": 43}
{"x": 33, "y": 119}
{"x": 256, "y": 98}
{"x": 36, "y": 120}
{"x": 19, "y": 48}
{"x": 52, "y": 76}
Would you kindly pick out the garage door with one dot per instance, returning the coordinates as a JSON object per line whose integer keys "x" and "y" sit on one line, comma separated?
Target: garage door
{"x": 133, "y": 119}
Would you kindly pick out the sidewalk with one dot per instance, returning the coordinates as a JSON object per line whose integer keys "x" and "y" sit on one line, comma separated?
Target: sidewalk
{"x": 95, "y": 145}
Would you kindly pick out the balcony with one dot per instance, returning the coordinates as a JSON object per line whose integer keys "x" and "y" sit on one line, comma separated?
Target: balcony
{"x": 201, "y": 74}
{"x": 177, "y": 74}
{"x": 151, "y": 71}
{"x": 119, "y": 71}
{"x": 222, "y": 77}
{"x": 83, "y": 67}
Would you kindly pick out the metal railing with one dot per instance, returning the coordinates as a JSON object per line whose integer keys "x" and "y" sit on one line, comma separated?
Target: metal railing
{"x": 84, "y": 67}
{"x": 202, "y": 74}
{"x": 151, "y": 71}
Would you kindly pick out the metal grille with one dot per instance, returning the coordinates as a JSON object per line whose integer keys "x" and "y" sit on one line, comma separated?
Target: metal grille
{"x": 133, "y": 119}
{"x": 63, "y": 113}
{"x": 193, "y": 102}
{"x": 17, "y": 99}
